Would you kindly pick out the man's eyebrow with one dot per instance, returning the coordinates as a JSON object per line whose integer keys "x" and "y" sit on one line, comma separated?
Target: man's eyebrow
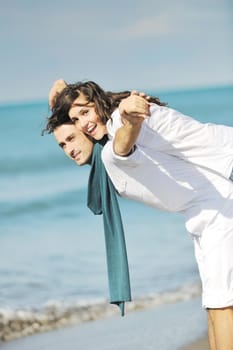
{"x": 69, "y": 137}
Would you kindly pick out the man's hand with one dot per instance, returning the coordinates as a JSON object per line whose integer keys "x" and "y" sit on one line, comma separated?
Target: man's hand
{"x": 55, "y": 90}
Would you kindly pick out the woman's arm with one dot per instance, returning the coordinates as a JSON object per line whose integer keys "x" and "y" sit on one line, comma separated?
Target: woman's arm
{"x": 133, "y": 110}
{"x": 55, "y": 90}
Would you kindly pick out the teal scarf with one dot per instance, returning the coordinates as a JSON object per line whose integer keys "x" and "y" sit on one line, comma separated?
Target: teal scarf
{"x": 102, "y": 199}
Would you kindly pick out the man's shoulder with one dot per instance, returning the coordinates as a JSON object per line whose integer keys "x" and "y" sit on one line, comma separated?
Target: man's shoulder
{"x": 114, "y": 123}
{"x": 108, "y": 155}
{"x": 110, "y": 158}
{"x": 107, "y": 151}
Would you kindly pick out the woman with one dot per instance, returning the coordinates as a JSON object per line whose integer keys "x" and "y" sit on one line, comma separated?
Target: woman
{"x": 147, "y": 121}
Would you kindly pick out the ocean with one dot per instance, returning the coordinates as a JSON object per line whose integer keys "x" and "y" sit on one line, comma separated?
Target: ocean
{"x": 52, "y": 247}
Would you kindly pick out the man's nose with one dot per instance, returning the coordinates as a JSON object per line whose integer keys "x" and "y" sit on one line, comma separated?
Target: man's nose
{"x": 70, "y": 151}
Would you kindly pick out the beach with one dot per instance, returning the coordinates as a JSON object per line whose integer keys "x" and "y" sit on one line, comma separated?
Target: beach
{"x": 201, "y": 344}
{"x": 165, "y": 327}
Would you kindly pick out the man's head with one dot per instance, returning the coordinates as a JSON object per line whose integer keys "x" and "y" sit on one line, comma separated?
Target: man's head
{"x": 76, "y": 145}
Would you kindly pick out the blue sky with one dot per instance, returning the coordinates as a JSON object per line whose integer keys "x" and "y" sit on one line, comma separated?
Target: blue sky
{"x": 150, "y": 44}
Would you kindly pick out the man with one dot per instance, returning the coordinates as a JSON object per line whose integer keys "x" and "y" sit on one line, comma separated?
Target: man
{"x": 181, "y": 187}
{"x": 209, "y": 216}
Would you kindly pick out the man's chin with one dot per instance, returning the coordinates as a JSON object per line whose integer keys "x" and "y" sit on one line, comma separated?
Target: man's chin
{"x": 81, "y": 163}
{"x": 78, "y": 162}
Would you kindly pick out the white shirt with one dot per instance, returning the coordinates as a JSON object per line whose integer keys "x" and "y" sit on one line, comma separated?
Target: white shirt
{"x": 168, "y": 131}
{"x": 171, "y": 184}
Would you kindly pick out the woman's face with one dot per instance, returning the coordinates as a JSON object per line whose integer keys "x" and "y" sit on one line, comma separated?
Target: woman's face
{"x": 86, "y": 119}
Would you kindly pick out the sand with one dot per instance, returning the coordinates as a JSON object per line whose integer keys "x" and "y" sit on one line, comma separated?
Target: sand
{"x": 201, "y": 344}
{"x": 171, "y": 326}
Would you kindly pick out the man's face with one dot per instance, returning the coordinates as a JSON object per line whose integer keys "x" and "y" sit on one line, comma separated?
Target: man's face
{"x": 76, "y": 145}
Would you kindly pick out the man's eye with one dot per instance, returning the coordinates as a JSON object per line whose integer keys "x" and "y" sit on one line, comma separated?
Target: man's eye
{"x": 70, "y": 138}
{"x": 85, "y": 111}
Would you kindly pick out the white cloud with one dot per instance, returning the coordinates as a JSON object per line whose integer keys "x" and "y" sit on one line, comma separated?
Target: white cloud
{"x": 150, "y": 27}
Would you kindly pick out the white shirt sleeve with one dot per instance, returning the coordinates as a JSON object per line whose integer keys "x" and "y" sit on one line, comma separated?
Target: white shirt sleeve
{"x": 204, "y": 144}
{"x": 165, "y": 130}
{"x": 171, "y": 132}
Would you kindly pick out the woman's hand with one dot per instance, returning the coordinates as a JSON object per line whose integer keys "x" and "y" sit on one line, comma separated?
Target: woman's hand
{"x": 56, "y": 89}
{"x": 136, "y": 105}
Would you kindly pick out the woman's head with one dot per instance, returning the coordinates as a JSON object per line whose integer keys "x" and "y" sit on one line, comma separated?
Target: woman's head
{"x": 87, "y": 105}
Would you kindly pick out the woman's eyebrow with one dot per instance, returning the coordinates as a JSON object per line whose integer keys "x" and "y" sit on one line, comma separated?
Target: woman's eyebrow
{"x": 88, "y": 104}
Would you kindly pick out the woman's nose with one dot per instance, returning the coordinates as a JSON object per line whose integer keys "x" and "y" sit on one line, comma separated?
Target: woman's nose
{"x": 83, "y": 122}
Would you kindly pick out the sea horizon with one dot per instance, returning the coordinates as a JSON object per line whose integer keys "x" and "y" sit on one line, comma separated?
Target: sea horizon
{"x": 169, "y": 90}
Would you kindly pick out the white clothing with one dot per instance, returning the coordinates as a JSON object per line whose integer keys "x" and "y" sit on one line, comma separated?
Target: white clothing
{"x": 168, "y": 183}
{"x": 168, "y": 131}
{"x": 214, "y": 256}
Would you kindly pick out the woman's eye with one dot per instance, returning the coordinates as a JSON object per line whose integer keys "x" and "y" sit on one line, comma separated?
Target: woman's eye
{"x": 74, "y": 119}
{"x": 85, "y": 112}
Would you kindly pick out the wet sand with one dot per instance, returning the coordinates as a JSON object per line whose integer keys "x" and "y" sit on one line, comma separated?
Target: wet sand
{"x": 166, "y": 327}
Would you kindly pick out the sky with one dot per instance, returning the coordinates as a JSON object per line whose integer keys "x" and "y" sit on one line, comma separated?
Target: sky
{"x": 131, "y": 44}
